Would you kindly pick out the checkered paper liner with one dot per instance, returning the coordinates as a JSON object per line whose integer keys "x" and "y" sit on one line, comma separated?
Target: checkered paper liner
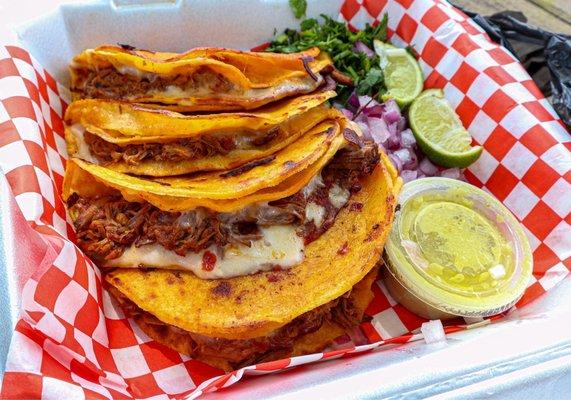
{"x": 73, "y": 341}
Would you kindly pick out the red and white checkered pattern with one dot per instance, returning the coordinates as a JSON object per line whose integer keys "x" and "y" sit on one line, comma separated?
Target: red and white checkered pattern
{"x": 72, "y": 341}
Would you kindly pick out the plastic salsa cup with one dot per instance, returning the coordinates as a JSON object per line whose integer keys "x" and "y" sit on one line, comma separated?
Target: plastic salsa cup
{"x": 454, "y": 250}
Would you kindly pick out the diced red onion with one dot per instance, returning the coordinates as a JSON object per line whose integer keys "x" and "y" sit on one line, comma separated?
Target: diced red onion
{"x": 413, "y": 163}
{"x": 394, "y": 139}
{"x": 392, "y": 117}
{"x": 347, "y": 113}
{"x": 407, "y": 157}
{"x": 378, "y": 129}
{"x": 360, "y": 117}
{"x": 401, "y": 124}
{"x": 361, "y": 47}
{"x": 365, "y": 101}
{"x": 392, "y": 111}
{"x": 353, "y": 100}
{"x": 452, "y": 173}
{"x": 364, "y": 127}
{"x": 433, "y": 332}
{"x": 403, "y": 155}
{"x": 376, "y": 110}
{"x": 408, "y": 175}
{"x": 391, "y": 104}
{"x": 407, "y": 138}
{"x": 393, "y": 129}
{"x": 427, "y": 167}
{"x": 396, "y": 161}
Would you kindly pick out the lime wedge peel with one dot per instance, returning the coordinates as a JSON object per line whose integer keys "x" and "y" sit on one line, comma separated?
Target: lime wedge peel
{"x": 439, "y": 131}
{"x": 403, "y": 76}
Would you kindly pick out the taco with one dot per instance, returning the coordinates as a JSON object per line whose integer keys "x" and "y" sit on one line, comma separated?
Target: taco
{"x": 202, "y": 79}
{"x": 249, "y": 319}
{"x": 259, "y": 216}
{"x": 131, "y": 138}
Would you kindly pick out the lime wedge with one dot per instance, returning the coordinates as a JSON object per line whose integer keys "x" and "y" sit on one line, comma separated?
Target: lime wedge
{"x": 439, "y": 132}
{"x": 403, "y": 76}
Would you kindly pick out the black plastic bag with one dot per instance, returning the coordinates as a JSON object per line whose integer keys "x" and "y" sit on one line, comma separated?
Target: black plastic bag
{"x": 545, "y": 55}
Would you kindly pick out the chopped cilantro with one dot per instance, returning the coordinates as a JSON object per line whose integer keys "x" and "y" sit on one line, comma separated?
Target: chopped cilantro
{"x": 298, "y": 7}
{"x": 338, "y": 41}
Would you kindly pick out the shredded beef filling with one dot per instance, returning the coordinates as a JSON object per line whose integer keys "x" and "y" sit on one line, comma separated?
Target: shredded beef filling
{"x": 250, "y": 351}
{"x": 178, "y": 150}
{"x": 106, "y": 226}
{"x": 109, "y": 83}
{"x": 173, "y": 151}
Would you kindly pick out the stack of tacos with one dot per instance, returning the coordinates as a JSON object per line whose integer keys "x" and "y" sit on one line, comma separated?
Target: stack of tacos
{"x": 238, "y": 218}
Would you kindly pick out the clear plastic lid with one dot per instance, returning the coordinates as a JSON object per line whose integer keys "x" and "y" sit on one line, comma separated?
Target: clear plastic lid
{"x": 458, "y": 249}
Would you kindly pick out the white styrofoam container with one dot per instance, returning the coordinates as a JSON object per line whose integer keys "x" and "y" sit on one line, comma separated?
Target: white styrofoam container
{"x": 504, "y": 360}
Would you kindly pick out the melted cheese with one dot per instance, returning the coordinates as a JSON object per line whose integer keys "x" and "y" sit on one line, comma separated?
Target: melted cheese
{"x": 315, "y": 183}
{"x": 338, "y": 196}
{"x": 83, "y": 152}
{"x": 280, "y": 90}
{"x": 173, "y": 91}
{"x": 128, "y": 70}
{"x": 279, "y": 246}
{"x": 314, "y": 212}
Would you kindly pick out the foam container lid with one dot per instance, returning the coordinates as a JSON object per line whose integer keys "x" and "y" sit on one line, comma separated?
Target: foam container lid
{"x": 157, "y": 24}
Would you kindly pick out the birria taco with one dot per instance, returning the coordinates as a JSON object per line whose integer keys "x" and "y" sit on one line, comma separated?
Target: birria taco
{"x": 257, "y": 216}
{"x": 134, "y": 139}
{"x": 248, "y": 319}
{"x": 199, "y": 80}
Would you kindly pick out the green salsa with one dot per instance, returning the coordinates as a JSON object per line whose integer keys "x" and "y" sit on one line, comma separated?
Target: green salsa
{"x": 457, "y": 249}
{"x": 454, "y": 245}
